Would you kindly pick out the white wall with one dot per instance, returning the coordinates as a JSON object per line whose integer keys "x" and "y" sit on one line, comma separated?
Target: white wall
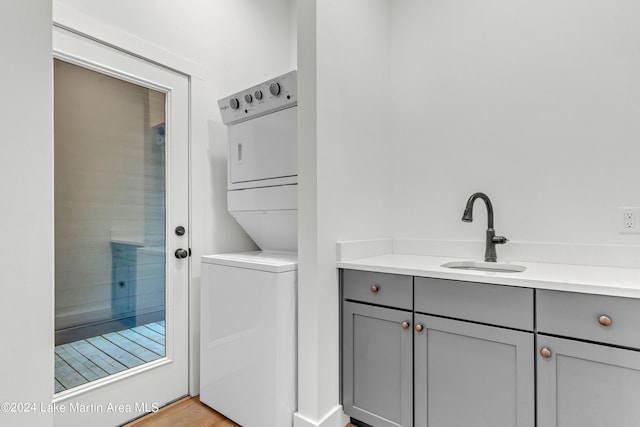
{"x": 26, "y": 189}
{"x": 534, "y": 103}
{"x": 344, "y": 175}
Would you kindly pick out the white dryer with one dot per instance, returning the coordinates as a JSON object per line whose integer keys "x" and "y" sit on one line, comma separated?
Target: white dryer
{"x": 248, "y": 363}
{"x": 262, "y": 183}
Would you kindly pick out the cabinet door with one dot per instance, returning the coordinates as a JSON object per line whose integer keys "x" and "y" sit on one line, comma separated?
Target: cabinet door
{"x": 377, "y": 365}
{"x": 587, "y": 385}
{"x": 468, "y": 374}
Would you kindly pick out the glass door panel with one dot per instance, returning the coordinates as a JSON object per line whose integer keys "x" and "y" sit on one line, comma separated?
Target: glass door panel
{"x": 109, "y": 225}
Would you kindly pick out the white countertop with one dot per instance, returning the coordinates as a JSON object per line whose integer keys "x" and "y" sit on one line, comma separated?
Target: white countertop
{"x": 613, "y": 281}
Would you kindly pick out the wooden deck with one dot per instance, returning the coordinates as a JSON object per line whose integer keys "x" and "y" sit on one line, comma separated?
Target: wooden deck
{"x": 80, "y": 362}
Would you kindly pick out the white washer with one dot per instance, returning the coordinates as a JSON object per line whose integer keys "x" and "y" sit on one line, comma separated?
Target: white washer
{"x": 248, "y": 337}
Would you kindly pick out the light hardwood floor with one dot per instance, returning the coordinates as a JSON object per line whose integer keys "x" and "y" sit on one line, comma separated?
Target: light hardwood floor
{"x": 187, "y": 412}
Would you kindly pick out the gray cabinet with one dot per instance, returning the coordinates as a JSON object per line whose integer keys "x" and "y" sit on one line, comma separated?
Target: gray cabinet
{"x": 594, "y": 382}
{"x": 468, "y": 374}
{"x": 600, "y": 318}
{"x": 377, "y": 365}
{"x": 498, "y": 305}
{"x": 470, "y": 370}
{"x": 391, "y": 290}
{"x": 404, "y": 357}
{"x": 587, "y": 385}
{"x": 428, "y": 352}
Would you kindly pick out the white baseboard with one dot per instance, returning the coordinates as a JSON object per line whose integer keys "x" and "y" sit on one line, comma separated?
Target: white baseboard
{"x": 335, "y": 418}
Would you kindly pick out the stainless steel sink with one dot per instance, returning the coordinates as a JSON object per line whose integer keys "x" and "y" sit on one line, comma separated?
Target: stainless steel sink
{"x": 498, "y": 267}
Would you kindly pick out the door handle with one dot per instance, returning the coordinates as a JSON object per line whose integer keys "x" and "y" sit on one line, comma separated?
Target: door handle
{"x": 181, "y": 253}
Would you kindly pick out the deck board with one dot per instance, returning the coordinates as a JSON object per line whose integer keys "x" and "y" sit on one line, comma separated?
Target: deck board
{"x": 131, "y": 347}
{"x": 144, "y": 341}
{"x": 122, "y": 356}
{"x": 80, "y": 363}
{"x": 69, "y": 377}
{"x": 104, "y": 361}
{"x": 156, "y": 327}
{"x": 86, "y": 360}
{"x": 149, "y": 333}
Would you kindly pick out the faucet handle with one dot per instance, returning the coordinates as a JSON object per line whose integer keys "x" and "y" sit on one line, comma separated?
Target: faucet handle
{"x": 499, "y": 240}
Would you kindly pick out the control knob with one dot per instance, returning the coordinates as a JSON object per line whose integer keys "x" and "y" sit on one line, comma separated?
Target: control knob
{"x": 274, "y": 88}
{"x": 234, "y": 103}
{"x": 258, "y": 94}
{"x": 248, "y": 98}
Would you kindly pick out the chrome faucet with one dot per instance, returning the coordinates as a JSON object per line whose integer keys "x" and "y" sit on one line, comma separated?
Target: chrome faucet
{"x": 492, "y": 240}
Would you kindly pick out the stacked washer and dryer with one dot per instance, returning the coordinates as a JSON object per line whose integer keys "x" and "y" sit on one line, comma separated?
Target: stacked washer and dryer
{"x": 248, "y": 354}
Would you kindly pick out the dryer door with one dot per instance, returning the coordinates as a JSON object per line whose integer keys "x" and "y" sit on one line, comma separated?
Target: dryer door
{"x": 264, "y": 147}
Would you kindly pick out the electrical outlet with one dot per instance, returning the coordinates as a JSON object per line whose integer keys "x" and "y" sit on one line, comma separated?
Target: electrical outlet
{"x": 629, "y": 220}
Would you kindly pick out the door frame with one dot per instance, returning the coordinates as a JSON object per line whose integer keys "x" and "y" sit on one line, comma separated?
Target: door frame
{"x": 72, "y": 20}
{"x": 172, "y": 370}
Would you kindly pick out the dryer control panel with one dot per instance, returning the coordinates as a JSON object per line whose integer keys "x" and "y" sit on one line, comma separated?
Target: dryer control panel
{"x": 273, "y": 95}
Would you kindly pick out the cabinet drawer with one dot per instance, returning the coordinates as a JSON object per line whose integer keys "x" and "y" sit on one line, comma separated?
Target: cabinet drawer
{"x": 392, "y": 290}
{"x": 478, "y": 302}
{"x": 578, "y": 316}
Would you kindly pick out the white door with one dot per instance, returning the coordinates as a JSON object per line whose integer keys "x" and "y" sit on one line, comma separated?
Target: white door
{"x": 121, "y": 182}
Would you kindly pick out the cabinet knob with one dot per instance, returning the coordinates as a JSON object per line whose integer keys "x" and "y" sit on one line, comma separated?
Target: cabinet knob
{"x": 375, "y": 288}
{"x": 604, "y": 320}
{"x": 404, "y": 324}
{"x": 545, "y": 352}
{"x": 419, "y": 327}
